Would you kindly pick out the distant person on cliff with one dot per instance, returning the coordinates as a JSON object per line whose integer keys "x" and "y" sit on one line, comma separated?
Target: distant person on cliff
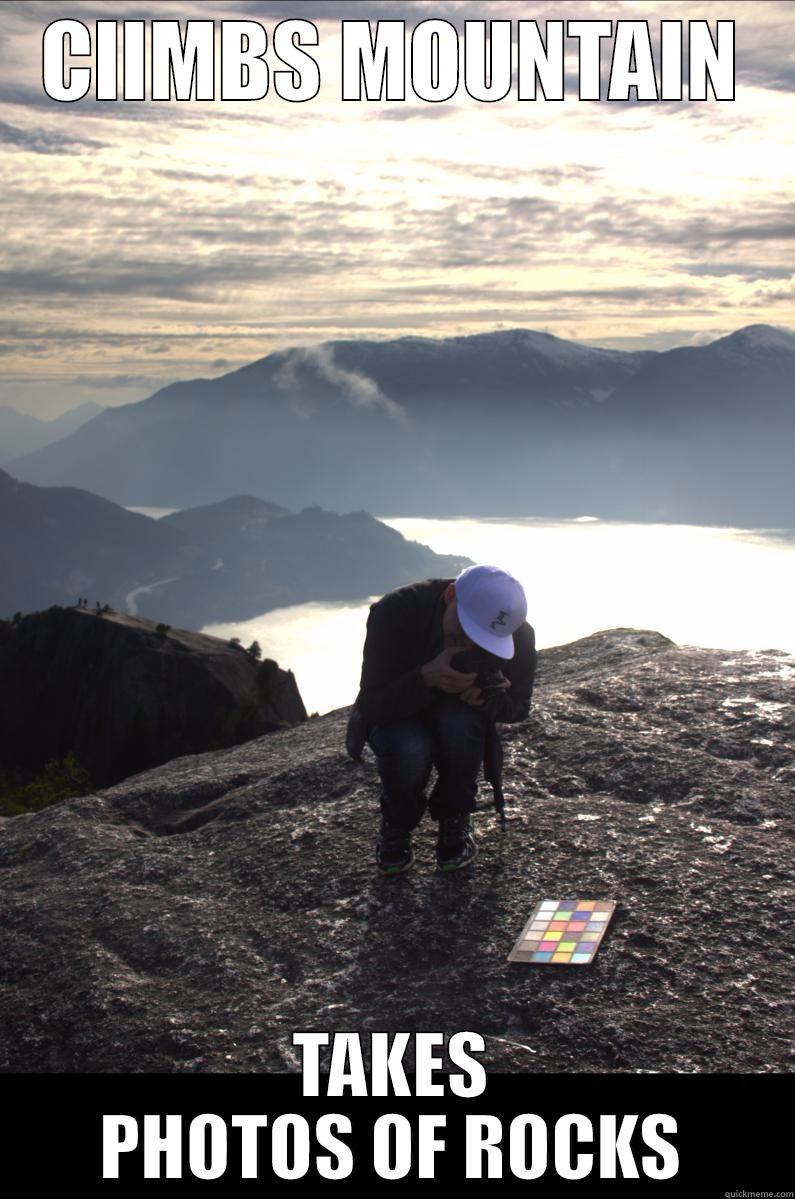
{"x": 421, "y": 704}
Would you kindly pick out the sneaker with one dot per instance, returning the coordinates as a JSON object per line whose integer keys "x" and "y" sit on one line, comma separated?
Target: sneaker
{"x": 393, "y": 852}
{"x": 456, "y": 845}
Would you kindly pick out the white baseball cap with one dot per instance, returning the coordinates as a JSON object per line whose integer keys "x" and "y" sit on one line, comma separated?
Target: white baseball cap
{"x": 491, "y": 607}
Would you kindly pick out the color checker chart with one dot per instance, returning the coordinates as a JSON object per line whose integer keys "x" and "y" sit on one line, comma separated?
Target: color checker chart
{"x": 563, "y": 932}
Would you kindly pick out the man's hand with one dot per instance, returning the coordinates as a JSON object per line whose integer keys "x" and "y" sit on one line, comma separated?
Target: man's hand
{"x": 475, "y": 697}
{"x": 440, "y": 674}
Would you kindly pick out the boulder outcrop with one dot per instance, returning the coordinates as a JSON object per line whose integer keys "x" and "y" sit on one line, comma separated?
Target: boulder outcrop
{"x": 123, "y": 693}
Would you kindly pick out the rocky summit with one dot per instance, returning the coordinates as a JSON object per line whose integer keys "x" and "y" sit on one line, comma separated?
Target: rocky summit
{"x": 123, "y": 693}
{"x": 192, "y": 917}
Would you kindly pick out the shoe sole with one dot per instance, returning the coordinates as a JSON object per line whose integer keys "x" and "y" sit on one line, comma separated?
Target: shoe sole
{"x": 448, "y": 867}
{"x": 392, "y": 871}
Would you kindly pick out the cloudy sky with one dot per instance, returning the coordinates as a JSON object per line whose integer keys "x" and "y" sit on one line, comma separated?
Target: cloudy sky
{"x": 154, "y": 241}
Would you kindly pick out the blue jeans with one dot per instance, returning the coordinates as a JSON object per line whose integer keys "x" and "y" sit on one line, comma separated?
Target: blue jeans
{"x": 449, "y": 735}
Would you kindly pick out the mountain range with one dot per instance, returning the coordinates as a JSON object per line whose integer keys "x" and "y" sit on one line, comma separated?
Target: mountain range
{"x": 22, "y": 433}
{"x": 226, "y": 561}
{"x": 515, "y": 422}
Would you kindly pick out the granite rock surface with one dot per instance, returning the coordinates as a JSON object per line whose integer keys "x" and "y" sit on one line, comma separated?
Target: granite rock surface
{"x": 191, "y": 917}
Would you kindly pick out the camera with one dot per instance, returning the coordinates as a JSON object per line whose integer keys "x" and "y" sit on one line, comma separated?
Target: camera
{"x": 489, "y": 676}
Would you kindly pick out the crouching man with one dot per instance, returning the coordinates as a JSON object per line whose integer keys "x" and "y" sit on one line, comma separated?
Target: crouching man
{"x": 444, "y": 660}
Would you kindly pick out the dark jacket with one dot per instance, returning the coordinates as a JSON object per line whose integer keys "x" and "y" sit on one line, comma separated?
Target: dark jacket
{"x": 404, "y": 631}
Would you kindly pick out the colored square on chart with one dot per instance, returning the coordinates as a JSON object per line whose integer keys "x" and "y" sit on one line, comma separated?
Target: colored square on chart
{"x": 565, "y": 932}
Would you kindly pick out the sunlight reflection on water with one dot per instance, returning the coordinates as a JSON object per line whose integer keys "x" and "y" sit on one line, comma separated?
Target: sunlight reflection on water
{"x": 725, "y": 588}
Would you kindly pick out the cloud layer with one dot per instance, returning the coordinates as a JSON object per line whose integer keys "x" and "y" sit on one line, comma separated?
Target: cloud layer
{"x": 154, "y": 241}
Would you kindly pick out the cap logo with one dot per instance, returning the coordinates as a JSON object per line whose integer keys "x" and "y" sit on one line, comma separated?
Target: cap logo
{"x": 498, "y": 620}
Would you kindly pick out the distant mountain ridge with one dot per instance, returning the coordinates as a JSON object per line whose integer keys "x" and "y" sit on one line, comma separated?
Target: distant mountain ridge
{"x": 61, "y": 543}
{"x": 227, "y": 561}
{"x": 516, "y": 422}
{"x": 22, "y": 433}
{"x": 721, "y": 379}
